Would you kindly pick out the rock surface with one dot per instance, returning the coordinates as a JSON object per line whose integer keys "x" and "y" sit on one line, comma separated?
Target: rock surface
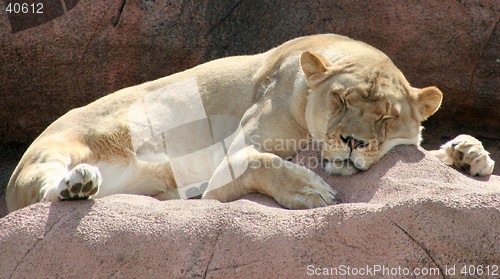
{"x": 407, "y": 211}
{"x": 91, "y": 48}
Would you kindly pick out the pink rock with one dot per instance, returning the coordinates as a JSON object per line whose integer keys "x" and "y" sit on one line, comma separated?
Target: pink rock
{"x": 408, "y": 211}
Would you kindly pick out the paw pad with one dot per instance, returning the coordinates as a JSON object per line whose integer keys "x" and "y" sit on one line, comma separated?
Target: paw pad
{"x": 468, "y": 154}
{"x": 82, "y": 182}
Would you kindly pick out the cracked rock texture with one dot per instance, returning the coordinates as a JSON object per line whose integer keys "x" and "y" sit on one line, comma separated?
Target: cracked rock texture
{"x": 407, "y": 211}
{"x": 93, "y": 48}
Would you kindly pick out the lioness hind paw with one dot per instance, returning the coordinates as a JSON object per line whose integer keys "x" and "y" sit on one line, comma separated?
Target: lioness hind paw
{"x": 82, "y": 182}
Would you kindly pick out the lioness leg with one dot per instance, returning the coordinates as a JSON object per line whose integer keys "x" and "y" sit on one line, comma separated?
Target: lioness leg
{"x": 50, "y": 171}
{"x": 467, "y": 153}
{"x": 52, "y": 175}
{"x": 57, "y": 183}
{"x": 291, "y": 185}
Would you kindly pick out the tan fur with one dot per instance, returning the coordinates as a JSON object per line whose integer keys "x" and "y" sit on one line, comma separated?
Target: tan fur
{"x": 344, "y": 93}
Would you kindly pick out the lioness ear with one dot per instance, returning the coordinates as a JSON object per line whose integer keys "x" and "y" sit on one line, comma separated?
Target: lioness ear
{"x": 313, "y": 64}
{"x": 429, "y": 100}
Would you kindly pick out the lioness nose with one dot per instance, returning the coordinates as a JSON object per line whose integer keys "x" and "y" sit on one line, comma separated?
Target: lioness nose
{"x": 352, "y": 142}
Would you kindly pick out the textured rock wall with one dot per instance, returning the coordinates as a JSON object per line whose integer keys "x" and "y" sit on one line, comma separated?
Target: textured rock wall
{"x": 407, "y": 212}
{"x": 91, "y": 48}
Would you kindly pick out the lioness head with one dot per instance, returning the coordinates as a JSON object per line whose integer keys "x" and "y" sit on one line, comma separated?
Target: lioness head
{"x": 360, "y": 108}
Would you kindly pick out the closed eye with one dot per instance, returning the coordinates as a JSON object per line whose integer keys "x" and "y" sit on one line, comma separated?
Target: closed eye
{"x": 387, "y": 116}
{"x": 343, "y": 101}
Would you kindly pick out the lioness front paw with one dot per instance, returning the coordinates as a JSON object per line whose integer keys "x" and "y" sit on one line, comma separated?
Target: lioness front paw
{"x": 82, "y": 182}
{"x": 467, "y": 153}
{"x": 306, "y": 190}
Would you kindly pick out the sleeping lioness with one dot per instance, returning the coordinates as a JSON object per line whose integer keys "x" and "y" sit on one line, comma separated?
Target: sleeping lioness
{"x": 227, "y": 127}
